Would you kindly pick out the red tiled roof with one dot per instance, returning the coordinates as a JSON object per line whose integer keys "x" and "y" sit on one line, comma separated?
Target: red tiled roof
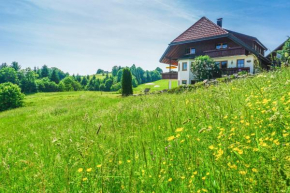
{"x": 203, "y": 28}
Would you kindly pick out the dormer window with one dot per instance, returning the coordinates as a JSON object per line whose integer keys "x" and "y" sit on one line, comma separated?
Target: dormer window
{"x": 190, "y": 51}
{"x": 221, "y": 46}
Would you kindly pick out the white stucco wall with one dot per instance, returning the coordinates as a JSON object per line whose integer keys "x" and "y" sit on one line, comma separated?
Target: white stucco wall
{"x": 232, "y": 63}
{"x": 185, "y": 75}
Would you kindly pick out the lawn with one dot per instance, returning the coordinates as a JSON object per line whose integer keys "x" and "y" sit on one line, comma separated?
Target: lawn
{"x": 228, "y": 138}
{"x": 155, "y": 86}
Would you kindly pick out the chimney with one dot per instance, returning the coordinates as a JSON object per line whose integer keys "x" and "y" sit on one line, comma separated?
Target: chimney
{"x": 220, "y": 22}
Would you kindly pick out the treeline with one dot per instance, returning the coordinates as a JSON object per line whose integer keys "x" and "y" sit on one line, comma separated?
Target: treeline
{"x": 47, "y": 79}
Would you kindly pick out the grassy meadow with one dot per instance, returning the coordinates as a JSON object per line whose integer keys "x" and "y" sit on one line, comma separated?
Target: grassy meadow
{"x": 155, "y": 86}
{"x": 230, "y": 138}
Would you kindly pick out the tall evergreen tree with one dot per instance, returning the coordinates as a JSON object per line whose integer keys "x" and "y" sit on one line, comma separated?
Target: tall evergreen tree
{"x": 16, "y": 66}
{"x": 3, "y": 65}
{"x": 127, "y": 82}
{"x": 44, "y": 71}
{"x": 54, "y": 77}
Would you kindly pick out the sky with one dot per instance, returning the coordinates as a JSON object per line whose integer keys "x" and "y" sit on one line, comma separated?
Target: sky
{"x": 81, "y": 36}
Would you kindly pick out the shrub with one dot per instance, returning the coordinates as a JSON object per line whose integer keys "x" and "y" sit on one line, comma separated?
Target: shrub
{"x": 127, "y": 82}
{"x": 45, "y": 85}
{"x": 10, "y": 96}
{"x": 116, "y": 87}
{"x": 70, "y": 84}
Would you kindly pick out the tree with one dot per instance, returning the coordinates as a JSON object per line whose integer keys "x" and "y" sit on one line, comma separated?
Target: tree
{"x": 100, "y": 71}
{"x": 54, "y": 76}
{"x": 10, "y": 96}
{"x": 127, "y": 82}
{"x": 84, "y": 81}
{"x": 108, "y": 84}
{"x": 119, "y": 75}
{"x": 44, "y": 71}
{"x": 115, "y": 70}
{"x": 16, "y": 66}
{"x": 204, "y": 67}
{"x": 159, "y": 70}
{"x": 45, "y": 85}
{"x": 102, "y": 87}
{"x": 285, "y": 54}
{"x": 70, "y": 84}
{"x": 8, "y": 75}
{"x": 27, "y": 82}
{"x": 3, "y": 65}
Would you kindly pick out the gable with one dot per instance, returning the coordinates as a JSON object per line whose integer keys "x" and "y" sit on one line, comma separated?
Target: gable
{"x": 203, "y": 28}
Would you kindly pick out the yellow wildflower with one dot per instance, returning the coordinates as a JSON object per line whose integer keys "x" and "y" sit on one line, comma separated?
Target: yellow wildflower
{"x": 195, "y": 173}
{"x": 98, "y": 166}
{"x": 211, "y": 147}
{"x": 80, "y": 170}
{"x": 242, "y": 172}
{"x": 170, "y": 179}
{"x": 179, "y": 130}
{"x": 120, "y": 162}
{"x": 129, "y": 161}
{"x": 85, "y": 179}
{"x": 203, "y": 178}
{"x": 170, "y": 138}
{"x": 182, "y": 177}
{"x": 89, "y": 169}
{"x": 255, "y": 170}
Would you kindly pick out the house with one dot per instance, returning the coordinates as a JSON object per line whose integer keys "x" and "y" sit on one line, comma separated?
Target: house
{"x": 272, "y": 56}
{"x": 232, "y": 51}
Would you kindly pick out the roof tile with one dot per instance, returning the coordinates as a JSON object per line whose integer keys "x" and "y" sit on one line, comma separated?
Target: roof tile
{"x": 203, "y": 28}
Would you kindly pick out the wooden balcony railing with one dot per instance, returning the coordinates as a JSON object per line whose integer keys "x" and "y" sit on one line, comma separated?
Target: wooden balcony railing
{"x": 226, "y": 52}
{"x": 231, "y": 71}
{"x": 171, "y": 75}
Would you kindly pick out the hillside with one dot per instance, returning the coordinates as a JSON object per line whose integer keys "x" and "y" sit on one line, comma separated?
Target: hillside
{"x": 229, "y": 138}
{"x": 155, "y": 86}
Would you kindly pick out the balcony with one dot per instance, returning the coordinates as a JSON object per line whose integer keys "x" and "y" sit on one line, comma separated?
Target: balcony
{"x": 226, "y": 52}
{"x": 231, "y": 71}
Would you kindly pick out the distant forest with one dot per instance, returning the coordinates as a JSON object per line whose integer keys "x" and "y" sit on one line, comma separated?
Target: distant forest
{"x": 47, "y": 79}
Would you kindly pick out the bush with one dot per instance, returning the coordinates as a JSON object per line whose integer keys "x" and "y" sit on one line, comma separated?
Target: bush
{"x": 45, "y": 85}
{"x": 70, "y": 84}
{"x": 10, "y": 96}
{"x": 116, "y": 87}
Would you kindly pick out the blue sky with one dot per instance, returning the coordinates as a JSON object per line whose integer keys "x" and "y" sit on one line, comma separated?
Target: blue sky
{"x": 80, "y": 36}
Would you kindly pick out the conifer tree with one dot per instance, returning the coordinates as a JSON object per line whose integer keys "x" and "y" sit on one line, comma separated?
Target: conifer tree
{"x": 127, "y": 82}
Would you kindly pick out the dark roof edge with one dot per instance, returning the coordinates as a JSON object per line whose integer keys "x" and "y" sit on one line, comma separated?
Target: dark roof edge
{"x": 256, "y": 39}
{"x": 275, "y": 50}
{"x": 238, "y": 41}
{"x": 167, "y": 49}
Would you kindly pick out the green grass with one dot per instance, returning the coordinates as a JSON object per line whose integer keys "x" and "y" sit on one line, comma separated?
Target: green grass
{"x": 100, "y": 76}
{"x": 161, "y": 85}
{"x": 230, "y": 138}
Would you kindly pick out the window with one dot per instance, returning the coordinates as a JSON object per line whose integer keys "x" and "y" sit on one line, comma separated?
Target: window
{"x": 241, "y": 63}
{"x": 189, "y": 51}
{"x": 184, "y": 82}
{"x": 224, "y": 65}
{"x": 184, "y": 66}
{"x": 192, "y": 50}
{"x": 221, "y": 46}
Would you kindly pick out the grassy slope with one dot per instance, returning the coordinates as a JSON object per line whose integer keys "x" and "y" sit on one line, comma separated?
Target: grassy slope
{"x": 235, "y": 138}
{"x": 162, "y": 83}
{"x": 100, "y": 76}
